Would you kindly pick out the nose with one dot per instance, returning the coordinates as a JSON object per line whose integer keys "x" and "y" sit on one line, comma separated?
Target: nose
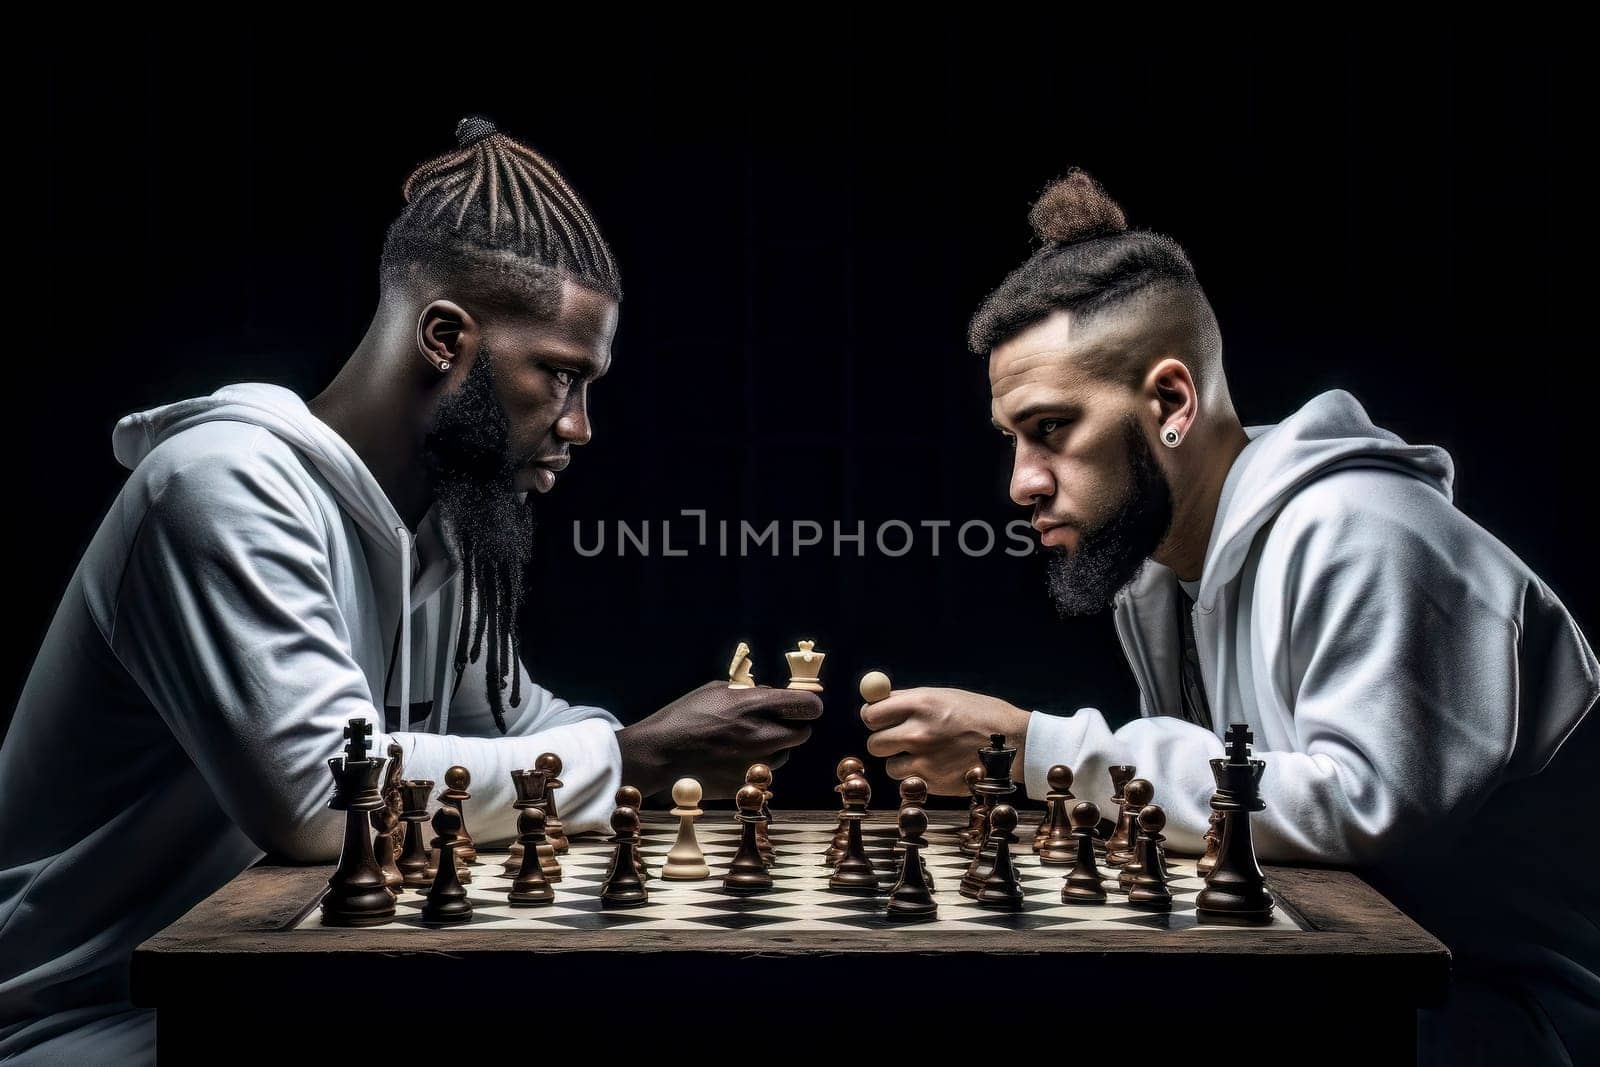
{"x": 1030, "y": 479}
{"x": 573, "y": 425}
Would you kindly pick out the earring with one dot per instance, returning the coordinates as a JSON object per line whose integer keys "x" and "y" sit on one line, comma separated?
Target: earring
{"x": 444, "y": 365}
{"x": 1170, "y": 437}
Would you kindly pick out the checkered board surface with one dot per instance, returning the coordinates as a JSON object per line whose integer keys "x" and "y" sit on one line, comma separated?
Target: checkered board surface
{"x": 800, "y": 898}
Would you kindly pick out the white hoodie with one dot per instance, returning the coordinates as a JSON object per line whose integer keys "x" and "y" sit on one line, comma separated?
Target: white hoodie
{"x": 1406, "y": 678}
{"x": 237, "y": 606}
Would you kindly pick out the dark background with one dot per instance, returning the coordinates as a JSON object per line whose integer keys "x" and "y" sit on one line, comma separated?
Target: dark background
{"x": 805, "y": 221}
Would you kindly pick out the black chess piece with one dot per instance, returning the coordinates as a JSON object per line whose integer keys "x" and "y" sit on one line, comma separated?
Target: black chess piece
{"x": 913, "y": 794}
{"x": 1136, "y": 794}
{"x": 1235, "y": 888}
{"x": 415, "y": 868}
{"x": 1121, "y": 775}
{"x": 550, "y": 764}
{"x": 748, "y": 872}
{"x": 1059, "y": 848}
{"x": 1083, "y": 884}
{"x": 1001, "y": 888}
{"x": 358, "y": 893}
{"x": 992, "y": 786}
{"x": 1149, "y": 889}
{"x": 529, "y": 884}
{"x": 455, "y": 795}
{"x": 447, "y": 900}
{"x": 912, "y": 897}
{"x": 854, "y": 873}
{"x": 847, "y": 768}
{"x": 977, "y": 813}
{"x": 383, "y": 824}
{"x": 629, "y": 797}
{"x": 760, "y": 776}
{"x": 1213, "y": 840}
{"x": 392, "y": 798}
{"x": 624, "y": 888}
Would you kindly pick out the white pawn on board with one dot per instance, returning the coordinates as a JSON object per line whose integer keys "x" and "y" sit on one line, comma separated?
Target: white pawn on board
{"x": 686, "y": 863}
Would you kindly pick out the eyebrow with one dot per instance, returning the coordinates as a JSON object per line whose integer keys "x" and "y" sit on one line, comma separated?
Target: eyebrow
{"x": 1066, "y": 408}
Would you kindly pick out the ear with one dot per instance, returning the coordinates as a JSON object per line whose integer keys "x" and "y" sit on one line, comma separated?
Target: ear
{"x": 446, "y": 334}
{"x": 1173, "y": 400}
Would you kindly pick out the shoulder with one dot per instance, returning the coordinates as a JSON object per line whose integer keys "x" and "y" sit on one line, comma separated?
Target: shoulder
{"x": 215, "y": 475}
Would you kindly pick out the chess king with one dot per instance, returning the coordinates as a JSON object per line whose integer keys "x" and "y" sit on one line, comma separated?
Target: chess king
{"x": 274, "y": 567}
{"x": 1420, "y": 699}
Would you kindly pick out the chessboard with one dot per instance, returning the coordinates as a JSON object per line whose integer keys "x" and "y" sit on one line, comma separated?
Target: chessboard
{"x": 800, "y": 899}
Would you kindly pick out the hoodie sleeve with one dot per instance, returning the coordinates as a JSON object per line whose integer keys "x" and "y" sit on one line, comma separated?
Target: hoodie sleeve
{"x": 227, "y": 618}
{"x": 583, "y": 736}
{"x": 1401, "y": 679}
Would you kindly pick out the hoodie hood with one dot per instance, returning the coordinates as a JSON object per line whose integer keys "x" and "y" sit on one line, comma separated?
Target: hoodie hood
{"x": 286, "y": 415}
{"x": 1331, "y": 432}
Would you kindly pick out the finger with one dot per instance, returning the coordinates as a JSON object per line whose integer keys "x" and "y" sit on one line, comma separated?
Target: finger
{"x": 902, "y": 767}
{"x": 903, "y": 738}
{"x": 892, "y": 710}
{"x": 796, "y": 704}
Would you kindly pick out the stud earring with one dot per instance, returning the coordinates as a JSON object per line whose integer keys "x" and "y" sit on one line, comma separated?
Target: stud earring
{"x": 444, "y": 365}
{"x": 1170, "y": 437}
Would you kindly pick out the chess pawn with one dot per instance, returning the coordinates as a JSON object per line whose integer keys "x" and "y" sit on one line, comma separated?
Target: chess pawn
{"x": 1121, "y": 775}
{"x": 748, "y": 872}
{"x": 629, "y": 797}
{"x": 977, "y": 812}
{"x": 384, "y": 822}
{"x": 529, "y": 785}
{"x": 912, "y": 897}
{"x": 531, "y": 887}
{"x": 447, "y": 900}
{"x": 1083, "y": 885}
{"x": 686, "y": 862}
{"x": 805, "y": 666}
{"x": 415, "y": 868}
{"x": 1057, "y": 847}
{"x": 848, "y": 767}
{"x": 1149, "y": 889}
{"x": 1213, "y": 840}
{"x": 1136, "y": 794}
{"x": 760, "y": 776}
{"x": 875, "y": 686}
{"x": 624, "y": 888}
{"x": 550, "y": 764}
{"x": 913, "y": 794}
{"x": 455, "y": 795}
{"x": 854, "y": 873}
{"x": 1000, "y": 888}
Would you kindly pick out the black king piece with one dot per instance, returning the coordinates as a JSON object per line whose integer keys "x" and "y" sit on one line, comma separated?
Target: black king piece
{"x": 357, "y": 894}
{"x": 1236, "y": 889}
{"x": 995, "y": 783}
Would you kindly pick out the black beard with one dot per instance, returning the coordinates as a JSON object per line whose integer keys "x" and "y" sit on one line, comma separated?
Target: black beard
{"x": 488, "y": 532}
{"x": 1112, "y": 554}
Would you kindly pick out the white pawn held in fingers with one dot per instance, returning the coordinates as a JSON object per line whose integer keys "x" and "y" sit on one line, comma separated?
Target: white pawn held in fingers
{"x": 686, "y": 863}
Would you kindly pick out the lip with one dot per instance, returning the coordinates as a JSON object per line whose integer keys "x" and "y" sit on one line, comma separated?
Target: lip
{"x": 554, "y": 463}
{"x": 1052, "y": 533}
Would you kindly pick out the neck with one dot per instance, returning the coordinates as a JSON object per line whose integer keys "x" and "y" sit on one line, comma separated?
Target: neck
{"x": 1185, "y": 547}
{"x": 374, "y": 404}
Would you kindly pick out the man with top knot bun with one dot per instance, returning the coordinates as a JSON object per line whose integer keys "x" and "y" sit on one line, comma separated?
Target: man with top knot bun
{"x": 275, "y": 567}
{"x": 1418, "y": 695}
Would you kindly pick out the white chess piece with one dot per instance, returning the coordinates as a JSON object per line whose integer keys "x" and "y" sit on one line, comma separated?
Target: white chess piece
{"x": 739, "y": 676}
{"x": 686, "y": 863}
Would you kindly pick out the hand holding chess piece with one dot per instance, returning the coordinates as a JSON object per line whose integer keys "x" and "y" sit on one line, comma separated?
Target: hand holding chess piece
{"x": 931, "y": 732}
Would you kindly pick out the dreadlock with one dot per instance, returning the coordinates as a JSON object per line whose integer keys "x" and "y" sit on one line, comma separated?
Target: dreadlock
{"x": 1092, "y": 264}
{"x": 497, "y": 221}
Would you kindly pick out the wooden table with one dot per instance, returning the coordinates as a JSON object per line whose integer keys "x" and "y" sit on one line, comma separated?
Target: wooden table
{"x": 236, "y": 965}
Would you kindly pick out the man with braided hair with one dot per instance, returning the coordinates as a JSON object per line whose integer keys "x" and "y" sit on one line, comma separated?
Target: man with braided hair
{"x": 273, "y": 568}
{"x": 1418, "y": 695}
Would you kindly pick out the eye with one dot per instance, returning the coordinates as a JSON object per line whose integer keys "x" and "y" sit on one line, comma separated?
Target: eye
{"x": 563, "y": 376}
{"x": 1050, "y": 426}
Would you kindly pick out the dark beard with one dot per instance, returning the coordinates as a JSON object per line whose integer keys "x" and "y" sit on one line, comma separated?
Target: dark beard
{"x": 1112, "y": 554}
{"x": 489, "y": 533}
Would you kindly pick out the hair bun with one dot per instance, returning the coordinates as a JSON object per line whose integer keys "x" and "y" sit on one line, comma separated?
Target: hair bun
{"x": 1075, "y": 208}
{"x": 473, "y": 129}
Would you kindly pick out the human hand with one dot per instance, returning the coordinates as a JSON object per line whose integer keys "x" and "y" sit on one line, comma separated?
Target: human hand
{"x": 713, "y": 734}
{"x": 936, "y": 733}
